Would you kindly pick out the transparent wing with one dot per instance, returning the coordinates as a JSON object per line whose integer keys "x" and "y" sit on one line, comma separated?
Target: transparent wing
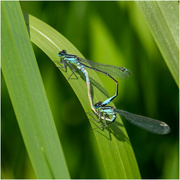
{"x": 114, "y": 71}
{"x": 151, "y": 125}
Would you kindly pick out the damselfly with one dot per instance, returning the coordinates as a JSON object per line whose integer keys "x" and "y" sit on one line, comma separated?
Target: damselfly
{"x": 109, "y": 114}
{"x": 108, "y": 70}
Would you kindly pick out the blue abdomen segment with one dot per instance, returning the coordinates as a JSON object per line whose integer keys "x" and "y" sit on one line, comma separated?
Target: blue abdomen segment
{"x": 81, "y": 68}
{"x": 107, "y": 101}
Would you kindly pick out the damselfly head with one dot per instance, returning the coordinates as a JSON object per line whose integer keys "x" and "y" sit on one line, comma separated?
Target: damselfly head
{"x": 97, "y": 105}
{"x": 62, "y": 53}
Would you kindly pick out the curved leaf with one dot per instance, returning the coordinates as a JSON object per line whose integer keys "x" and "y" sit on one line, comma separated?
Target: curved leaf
{"x": 116, "y": 151}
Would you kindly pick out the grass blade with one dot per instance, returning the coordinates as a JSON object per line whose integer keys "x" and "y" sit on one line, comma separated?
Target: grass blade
{"x": 162, "y": 18}
{"x": 117, "y": 155}
{"x": 28, "y": 96}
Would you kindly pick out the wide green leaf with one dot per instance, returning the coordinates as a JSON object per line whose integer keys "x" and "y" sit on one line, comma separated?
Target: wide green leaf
{"x": 163, "y": 21}
{"x": 117, "y": 154}
{"x": 28, "y": 96}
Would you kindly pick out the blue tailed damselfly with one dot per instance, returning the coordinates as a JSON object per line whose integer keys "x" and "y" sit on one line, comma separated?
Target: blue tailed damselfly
{"x": 108, "y": 70}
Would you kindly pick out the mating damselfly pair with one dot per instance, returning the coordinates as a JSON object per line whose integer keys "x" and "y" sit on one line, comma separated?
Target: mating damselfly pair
{"x": 108, "y": 113}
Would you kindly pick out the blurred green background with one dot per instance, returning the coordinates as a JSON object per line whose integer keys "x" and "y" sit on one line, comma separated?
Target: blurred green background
{"x": 112, "y": 33}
